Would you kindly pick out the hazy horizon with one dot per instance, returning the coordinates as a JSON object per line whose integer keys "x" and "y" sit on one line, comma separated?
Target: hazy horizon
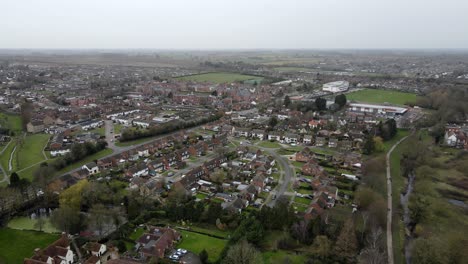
{"x": 234, "y": 25}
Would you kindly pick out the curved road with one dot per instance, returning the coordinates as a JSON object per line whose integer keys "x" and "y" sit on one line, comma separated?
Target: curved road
{"x": 389, "y": 203}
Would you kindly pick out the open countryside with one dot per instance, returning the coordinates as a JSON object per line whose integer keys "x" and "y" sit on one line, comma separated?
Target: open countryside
{"x": 220, "y": 77}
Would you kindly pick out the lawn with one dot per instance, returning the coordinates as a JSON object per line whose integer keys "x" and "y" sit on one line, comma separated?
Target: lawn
{"x": 24, "y": 243}
{"x": 382, "y": 96}
{"x": 269, "y": 144}
{"x": 220, "y": 77}
{"x": 99, "y": 130}
{"x": 293, "y": 69}
{"x": 118, "y": 128}
{"x": 137, "y": 233}
{"x": 12, "y": 122}
{"x": 302, "y": 200}
{"x": 30, "y": 150}
{"x": 26, "y": 223}
{"x": 280, "y": 256}
{"x": 195, "y": 243}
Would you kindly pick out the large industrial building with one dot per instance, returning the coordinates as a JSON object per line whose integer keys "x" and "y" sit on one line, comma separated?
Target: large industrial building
{"x": 336, "y": 87}
{"x": 377, "y": 109}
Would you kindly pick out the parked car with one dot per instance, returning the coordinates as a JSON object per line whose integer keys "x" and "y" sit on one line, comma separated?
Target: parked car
{"x": 182, "y": 251}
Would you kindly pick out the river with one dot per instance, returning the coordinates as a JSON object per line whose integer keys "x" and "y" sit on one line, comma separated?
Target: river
{"x": 404, "y": 198}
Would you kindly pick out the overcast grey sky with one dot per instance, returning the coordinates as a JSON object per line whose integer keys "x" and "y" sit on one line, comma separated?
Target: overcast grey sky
{"x": 233, "y": 24}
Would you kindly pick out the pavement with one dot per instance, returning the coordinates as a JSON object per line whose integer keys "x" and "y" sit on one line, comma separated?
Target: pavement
{"x": 389, "y": 203}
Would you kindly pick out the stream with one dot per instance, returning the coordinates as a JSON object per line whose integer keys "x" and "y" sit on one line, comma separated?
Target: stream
{"x": 404, "y": 198}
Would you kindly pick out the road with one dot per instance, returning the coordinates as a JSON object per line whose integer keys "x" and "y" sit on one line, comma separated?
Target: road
{"x": 287, "y": 172}
{"x": 389, "y": 203}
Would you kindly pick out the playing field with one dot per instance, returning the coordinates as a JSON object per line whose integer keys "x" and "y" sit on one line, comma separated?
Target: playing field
{"x": 220, "y": 77}
{"x": 15, "y": 245}
{"x": 382, "y": 96}
{"x": 195, "y": 243}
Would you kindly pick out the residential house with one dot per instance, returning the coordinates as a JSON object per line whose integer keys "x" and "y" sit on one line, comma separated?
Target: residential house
{"x": 91, "y": 167}
{"x": 157, "y": 242}
{"x": 35, "y": 127}
{"x": 57, "y": 252}
{"x": 274, "y": 136}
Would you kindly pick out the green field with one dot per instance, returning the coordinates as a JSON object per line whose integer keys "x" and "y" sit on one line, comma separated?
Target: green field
{"x": 220, "y": 77}
{"x": 31, "y": 148}
{"x": 18, "y": 244}
{"x": 293, "y": 69}
{"x": 26, "y": 223}
{"x": 12, "y": 122}
{"x": 381, "y": 96}
{"x": 195, "y": 243}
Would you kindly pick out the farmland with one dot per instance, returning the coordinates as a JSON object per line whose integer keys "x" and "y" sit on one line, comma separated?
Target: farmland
{"x": 382, "y": 96}
{"x": 220, "y": 77}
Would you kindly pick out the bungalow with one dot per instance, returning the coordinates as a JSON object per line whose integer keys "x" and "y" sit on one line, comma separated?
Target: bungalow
{"x": 291, "y": 138}
{"x": 59, "y": 152}
{"x": 88, "y": 125}
{"x": 307, "y": 140}
{"x": 235, "y": 206}
{"x": 333, "y": 143}
{"x": 91, "y": 167}
{"x": 274, "y": 136}
{"x": 320, "y": 141}
{"x": 141, "y": 123}
{"x": 242, "y": 132}
{"x": 138, "y": 170}
{"x": 257, "y": 133}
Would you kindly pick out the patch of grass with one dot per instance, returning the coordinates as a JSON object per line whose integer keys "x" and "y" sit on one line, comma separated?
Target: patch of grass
{"x": 382, "y": 96}
{"x": 5, "y": 157}
{"x": 220, "y": 77}
{"x": 401, "y": 133}
{"x": 269, "y": 144}
{"x": 293, "y": 69}
{"x": 280, "y": 256}
{"x": 195, "y": 243}
{"x": 137, "y": 233}
{"x": 23, "y": 243}
{"x": 302, "y": 200}
{"x": 99, "y": 130}
{"x": 26, "y": 223}
{"x": 30, "y": 150}
{"x": 12, "y": 122}
{"x": 118, "y": 128}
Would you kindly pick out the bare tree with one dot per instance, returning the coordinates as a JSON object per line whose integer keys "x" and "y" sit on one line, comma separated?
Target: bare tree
{"x": 40, "y": 223}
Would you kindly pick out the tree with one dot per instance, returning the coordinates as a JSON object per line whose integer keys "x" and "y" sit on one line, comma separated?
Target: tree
{"x": 346, "y": 245}
{"x": 243, "y": 253}
{"x": 369, "y": 145}
{"x": 14, "y": 180}
{"x": 287, "y": 101}
{"x": 321, "y": 104}
{"x": 273, "y": 121}
{"x": 340, "y": 100}
{"x": 67, "y": 219}
{"x": 40, "y": 223}
{"x": 218, "y": 176}
{"x": 378, "y": 144}
{"x": 374, "y": 252}
{"x": 429, "y": 251}
{"x": 214, "y": 93}
{"x": 322, "y": 247}
{"x": 170, "y": 95}
{"x": 99, "y": 218}
{"x": 203, "y": 256}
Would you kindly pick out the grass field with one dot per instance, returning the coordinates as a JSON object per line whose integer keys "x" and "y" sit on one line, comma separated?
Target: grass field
{"x": 26, "y": 223}
{"x": 24, "y": 243}
{"x": 220, "y": 77}
{"x": 382, "y": 96}
{"x": 30, "y": 151}
{"x": 5, "y": 157}
{"x": 293, "y": 69}
{"x": 12, "y": 122}
{"x": 195, "y": 243}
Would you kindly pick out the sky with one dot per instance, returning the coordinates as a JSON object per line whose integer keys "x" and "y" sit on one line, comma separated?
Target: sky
{"x": 234, "y": 24}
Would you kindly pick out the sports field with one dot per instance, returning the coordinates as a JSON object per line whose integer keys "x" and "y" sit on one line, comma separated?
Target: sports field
{"x": 220, "y": 77}
{"x": 382, "y": 96}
